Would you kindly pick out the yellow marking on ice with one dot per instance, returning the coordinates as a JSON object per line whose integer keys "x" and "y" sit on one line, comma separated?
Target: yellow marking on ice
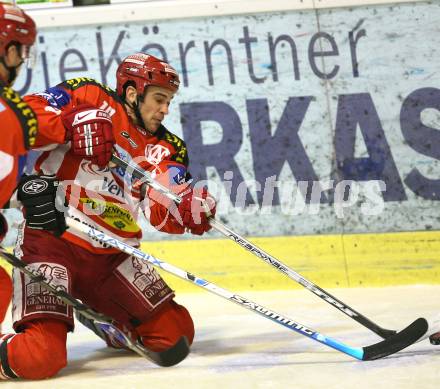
{"x": 327, "y": 260}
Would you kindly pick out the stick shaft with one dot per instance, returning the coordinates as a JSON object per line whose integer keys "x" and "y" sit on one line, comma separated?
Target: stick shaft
{"x": 141, "y": 174}
{"x": 315, "y": 289}
{"x": 354, "y": 352}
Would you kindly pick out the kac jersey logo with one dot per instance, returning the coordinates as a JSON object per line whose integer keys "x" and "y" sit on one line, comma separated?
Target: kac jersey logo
{"x": 156, "y": 153}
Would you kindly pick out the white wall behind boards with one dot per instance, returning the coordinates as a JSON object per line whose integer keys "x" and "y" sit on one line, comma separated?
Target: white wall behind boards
{"x": 277, "y": 106}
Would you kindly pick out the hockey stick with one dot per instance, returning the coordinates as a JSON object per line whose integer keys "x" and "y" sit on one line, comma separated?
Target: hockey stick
{"x": 146, "y": 177}
{"x": 169, "y": 357}
{"x": 391, "y": 345}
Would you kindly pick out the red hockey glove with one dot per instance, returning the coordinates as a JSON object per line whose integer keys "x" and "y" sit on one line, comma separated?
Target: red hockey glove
{"x": 192, "y": 211}
{"x": 91, "y": 132}
{"x": 3, "y": 228}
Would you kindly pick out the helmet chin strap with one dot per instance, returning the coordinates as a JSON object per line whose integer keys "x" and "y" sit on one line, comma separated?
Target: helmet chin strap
{"x": 12, "y": 70}
{"x": 135, "y": 107}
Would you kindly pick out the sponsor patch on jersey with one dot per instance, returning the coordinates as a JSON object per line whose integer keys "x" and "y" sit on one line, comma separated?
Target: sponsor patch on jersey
{"x": 35, "y": 298}
{"x": 111, "y": 214}
{"x": 112, "y": 187}
{"x": 126, "y": 135}
{"x": 121, "y": 153}
{"x": 56, "y": 97}
{"x": 141, "y": 130}
{"x": 177, "y": 174}
{"x": 145, "y": 280}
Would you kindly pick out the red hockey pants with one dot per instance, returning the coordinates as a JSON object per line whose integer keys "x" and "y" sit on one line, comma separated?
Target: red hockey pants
{"x": 40, "y": 350}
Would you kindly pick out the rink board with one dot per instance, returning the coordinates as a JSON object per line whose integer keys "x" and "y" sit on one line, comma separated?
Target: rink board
{"x": 328, "y": 260}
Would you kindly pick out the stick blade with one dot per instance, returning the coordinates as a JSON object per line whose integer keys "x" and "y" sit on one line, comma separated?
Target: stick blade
{"x": 397, "y": 342}
{"x": 384, "y": 333}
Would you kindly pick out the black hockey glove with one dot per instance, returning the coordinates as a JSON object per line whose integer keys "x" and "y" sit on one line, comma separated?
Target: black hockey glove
{"x": 38, "y": 194}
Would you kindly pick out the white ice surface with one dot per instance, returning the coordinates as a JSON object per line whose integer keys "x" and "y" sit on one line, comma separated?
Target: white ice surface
{"x": 235, "y": 348}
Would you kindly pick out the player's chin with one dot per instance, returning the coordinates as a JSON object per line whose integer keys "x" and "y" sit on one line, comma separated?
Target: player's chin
{"x": 154, "y": 125}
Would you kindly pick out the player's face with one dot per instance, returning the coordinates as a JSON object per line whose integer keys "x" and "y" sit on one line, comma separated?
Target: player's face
{"x": 13, "y": 59}
{"x": 155, "y": 106}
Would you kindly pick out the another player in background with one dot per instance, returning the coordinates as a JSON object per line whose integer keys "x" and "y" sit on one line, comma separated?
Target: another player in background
{"x": 81, "y": 123}
{"x": 18, "y": 122}
{"x": 5, "y": 280}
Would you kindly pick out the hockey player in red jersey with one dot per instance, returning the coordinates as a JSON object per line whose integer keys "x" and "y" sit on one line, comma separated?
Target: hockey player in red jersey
{"x": 5, "y": 280}
{"x": 19, "y": 125}
{"x": 75, "y": 116}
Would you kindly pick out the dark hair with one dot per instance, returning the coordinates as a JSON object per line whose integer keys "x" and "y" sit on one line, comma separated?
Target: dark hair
{"x": 133, "y": 84}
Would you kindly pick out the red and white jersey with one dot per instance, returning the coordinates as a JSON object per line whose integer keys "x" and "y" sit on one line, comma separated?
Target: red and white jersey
{"x": 104, "y": 198}
{"x": 18, "y": 130}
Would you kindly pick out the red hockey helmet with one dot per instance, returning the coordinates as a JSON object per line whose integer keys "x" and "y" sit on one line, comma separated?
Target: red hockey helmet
{"x": 16, "y": 26}
{"x": 145, "y": 70}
